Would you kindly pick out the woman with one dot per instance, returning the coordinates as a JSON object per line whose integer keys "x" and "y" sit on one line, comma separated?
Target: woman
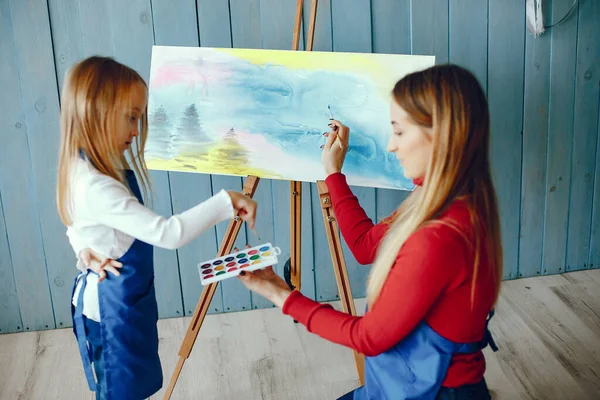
{"x": 437, "y": 260}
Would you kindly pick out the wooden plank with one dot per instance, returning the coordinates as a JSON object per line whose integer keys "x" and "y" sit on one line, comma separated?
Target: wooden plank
{"x": 277, "y": 20}
{"x": 468, "y": 26}
{"x": 355, "y": 14}
{"x": 535, "y": 133}
{"x": 214, "y": 23}
{"x": 41, "y": 111}
{"x": 322, "y": 37}
{"x": 584, "y": 136}
{"x": 430, "y": 29}
{"x": 16, "y": 179}
{"x": 10, "y": 317}
{"x": 505, "y": 97}
{"x": 391, "y": 26}
{"x": 563, "y": 54}
{"x": 175, "y": 24}
{"x": 95, "y": 26}
{"x": 246, "y": 24}
{"x": 391, "y": 35}
{"x": 525, "y": 358}
{"x": 594, "y": 260}
{"x": 67, "y": 39}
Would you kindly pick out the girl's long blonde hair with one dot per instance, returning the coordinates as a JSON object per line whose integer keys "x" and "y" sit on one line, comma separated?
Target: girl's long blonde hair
{"x": 97, "y": 92}
{"x": 449, "y": 100}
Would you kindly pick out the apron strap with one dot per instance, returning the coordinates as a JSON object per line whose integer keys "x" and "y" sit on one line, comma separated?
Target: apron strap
{"x": 487, "y": 335}
{"x": 487, "y": 339}
{"x": 84, "y": 350}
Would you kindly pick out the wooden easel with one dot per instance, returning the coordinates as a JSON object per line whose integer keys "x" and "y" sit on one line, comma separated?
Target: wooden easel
{"x": 331, "y": 227}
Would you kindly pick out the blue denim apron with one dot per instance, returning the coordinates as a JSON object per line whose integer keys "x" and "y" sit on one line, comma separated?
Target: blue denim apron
{"x": 128, "y": 313}
{"x": 416, "y": 367}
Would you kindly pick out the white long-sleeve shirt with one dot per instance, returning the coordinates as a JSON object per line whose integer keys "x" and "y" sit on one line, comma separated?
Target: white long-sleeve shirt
{"x": 107, "y": 218}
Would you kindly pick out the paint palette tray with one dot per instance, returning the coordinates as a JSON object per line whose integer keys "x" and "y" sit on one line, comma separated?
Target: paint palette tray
{"x": 231, "y": 265}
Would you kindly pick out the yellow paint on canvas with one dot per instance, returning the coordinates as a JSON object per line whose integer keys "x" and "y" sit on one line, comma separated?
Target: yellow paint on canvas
{"x": 224, "y": 158}
{"x": 383, "y": 69}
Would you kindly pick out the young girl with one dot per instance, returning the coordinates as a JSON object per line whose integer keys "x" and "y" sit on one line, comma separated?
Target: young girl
{"x": 437, "y": 258}
{"x": 103, "y": 110}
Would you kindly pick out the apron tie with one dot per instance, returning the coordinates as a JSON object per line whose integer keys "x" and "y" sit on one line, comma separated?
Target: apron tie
{"x": 487, "y": 335}
{"x": 84, "y": 350}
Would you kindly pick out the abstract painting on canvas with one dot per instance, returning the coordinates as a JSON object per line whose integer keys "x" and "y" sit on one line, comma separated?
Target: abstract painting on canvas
{"x": 263, "y": 112}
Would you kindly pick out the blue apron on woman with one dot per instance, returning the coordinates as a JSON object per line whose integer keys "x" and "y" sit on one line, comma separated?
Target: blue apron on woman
{"x": 415, "y": 368}
{"x": 128, "y": 313}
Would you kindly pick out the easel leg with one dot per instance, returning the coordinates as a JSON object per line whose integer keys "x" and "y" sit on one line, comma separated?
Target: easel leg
{"x": 339, "y": 266}
{"x": 208, "y": 292}
{"x": 296, "y": 233}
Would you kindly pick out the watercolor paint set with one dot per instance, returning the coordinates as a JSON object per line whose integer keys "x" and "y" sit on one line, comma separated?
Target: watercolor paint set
{"x": 230, "y": 265}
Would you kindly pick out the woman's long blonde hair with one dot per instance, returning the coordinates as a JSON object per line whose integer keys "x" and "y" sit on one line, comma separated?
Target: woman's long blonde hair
{"x": 97, "y": 92}
{"x": 449, "y": 100}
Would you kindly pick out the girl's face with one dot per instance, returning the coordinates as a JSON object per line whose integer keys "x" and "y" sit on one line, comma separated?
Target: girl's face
{"x": 411, "y": 143}
{"x": 128, "y": 126}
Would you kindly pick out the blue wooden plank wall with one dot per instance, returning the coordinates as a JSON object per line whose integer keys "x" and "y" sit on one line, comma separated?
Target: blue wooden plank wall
{"x": 543, "y": 94}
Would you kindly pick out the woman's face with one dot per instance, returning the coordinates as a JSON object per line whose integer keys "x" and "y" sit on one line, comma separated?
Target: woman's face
{"x": 411, "y": 143}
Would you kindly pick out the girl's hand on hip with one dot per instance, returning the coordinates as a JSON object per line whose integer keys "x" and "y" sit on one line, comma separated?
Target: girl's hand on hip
{"x": 99, "y": 264}
{"x": 245, "y": 207}
{"x": 266, "y": 283}
{"x": 334, "y": 150}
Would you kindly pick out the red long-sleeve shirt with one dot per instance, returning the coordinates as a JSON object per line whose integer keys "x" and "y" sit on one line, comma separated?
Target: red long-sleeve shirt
{"x": 431, "y": 281}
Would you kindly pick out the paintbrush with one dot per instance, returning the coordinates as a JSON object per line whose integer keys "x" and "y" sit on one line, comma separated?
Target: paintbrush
{"x": 335, "y": 127}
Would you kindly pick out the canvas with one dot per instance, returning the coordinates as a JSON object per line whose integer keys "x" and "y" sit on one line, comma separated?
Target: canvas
{"x": 263, "y": 112}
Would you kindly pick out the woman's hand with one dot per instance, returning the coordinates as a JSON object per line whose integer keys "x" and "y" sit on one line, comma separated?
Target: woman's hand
{"x": 99, "y": 264}
{"x": 266, "y": 283}
{"x": 245, "y": 206}
{"x": 334, "y": 150}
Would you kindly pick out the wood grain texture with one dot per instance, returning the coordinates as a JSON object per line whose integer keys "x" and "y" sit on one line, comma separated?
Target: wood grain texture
{"x": 41, "y": 110}
{"x": 468, "y": 37}
{"x": 322, "y": 39}
{"x": 18, "y": 188}
{"x": 585, "y": 135}
{"x": 429, "y": 20}
{"x": 391, "y": 26}
{"x": 560, "y": 139}
{"x": 9, "y": 302}
{"x": 595, "y": 230}
{"x": 506, "y": 51}
{"x": 535, "y": 133}
{"x": 547, "y": 329}
{"x": 67, "y": 38}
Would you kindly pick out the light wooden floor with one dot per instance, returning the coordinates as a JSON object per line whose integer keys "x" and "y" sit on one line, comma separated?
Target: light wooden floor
{"x": 548, "y": 330}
